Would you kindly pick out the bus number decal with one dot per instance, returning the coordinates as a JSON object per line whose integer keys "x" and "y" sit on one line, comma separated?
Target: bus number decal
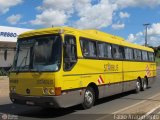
{"x": 110, "y": 67}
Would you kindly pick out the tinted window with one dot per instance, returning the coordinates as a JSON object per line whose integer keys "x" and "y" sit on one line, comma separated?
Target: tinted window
{"x": 117, "y": 52}
{"x": 128, "y": 53}
{"x": 41, "y": 53}
{"x": 88, "y": 48}
{"x": 104, "y": 50}
{"x": 137, "y": 54}
{"x": 47, "y": 52}
{"x": 144, "y": 55}
{"x": 70, "y": 52}
{"x": 151, "y": 56}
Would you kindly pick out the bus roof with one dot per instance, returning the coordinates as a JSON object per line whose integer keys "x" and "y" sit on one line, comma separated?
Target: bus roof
{"x": 96, "y": 34}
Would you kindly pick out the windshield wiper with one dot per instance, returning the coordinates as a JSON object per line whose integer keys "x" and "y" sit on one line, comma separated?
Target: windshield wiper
{"x": 24, "y": 59}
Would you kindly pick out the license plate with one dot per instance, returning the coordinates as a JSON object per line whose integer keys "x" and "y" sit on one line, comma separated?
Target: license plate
{"x": 29, "y": 103}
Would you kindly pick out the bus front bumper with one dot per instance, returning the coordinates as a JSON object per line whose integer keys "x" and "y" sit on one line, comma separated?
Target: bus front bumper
{"x": 62, "y": 101}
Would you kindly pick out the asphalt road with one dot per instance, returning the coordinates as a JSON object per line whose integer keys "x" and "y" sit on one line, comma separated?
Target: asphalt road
{"x": 103, "y": 107}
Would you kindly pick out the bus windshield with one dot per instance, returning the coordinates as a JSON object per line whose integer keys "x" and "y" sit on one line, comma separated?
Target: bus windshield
{"x": 42, "y": 53}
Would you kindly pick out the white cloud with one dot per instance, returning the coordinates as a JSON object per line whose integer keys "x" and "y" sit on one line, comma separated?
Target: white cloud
{"x": 154, "y": 29}
{"x": 135, "y": 38}
{"x": 118, "y": 26}
{"x": 154, "y": 40}
{"x": 88, "y": 15}
{"x": 57, "y": 12}
{"x": 13, "y": 19}
{"x": 54, "y": 12}
{"x": 58, "y": 4}
{"x": 6, "y": 4}
{"x": 49, "y": 18}
{"x": 136, "y": 3}
{"x": 123, "y": 15}
{"x": 153, "y": 36}
{"x": 131, "y": 38}
{"x": 94, "y": 16}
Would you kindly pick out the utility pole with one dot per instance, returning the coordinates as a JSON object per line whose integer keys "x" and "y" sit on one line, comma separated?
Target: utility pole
{"x": 146, "y": 29}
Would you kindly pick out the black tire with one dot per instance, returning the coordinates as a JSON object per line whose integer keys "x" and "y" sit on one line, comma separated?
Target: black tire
{"x": 144, "y": 84}
{"x": 138, "y": 86}
{"x": 89, "y": 98}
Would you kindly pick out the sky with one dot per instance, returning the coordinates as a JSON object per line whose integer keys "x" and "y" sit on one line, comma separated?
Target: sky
{"x": 123, "y": 18}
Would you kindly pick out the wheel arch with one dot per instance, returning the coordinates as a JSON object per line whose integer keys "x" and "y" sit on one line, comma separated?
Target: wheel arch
{"x": 140, "y": 79}
{"x": 95, "y": 88}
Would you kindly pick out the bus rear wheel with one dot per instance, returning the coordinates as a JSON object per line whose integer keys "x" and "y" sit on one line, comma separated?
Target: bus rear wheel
{"x": 89, "y": 98}
{"x": 144, "y": 84}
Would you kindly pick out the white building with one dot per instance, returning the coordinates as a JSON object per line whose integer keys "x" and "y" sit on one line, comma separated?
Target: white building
{"x": 8, "y": 39}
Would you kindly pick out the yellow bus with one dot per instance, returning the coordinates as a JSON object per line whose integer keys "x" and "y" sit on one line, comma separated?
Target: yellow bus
{"x": 63, "y": 66}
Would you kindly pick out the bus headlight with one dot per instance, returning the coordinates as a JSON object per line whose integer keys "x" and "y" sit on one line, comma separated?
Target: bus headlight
{"x": 45, "y": 90}
{"x": 51, "y": 91}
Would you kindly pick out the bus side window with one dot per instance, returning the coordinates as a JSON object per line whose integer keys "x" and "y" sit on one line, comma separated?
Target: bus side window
{"x": 108, "y": 52}
{"x": 88, "y": 48}
{"x": 104, "y": 50}
{"x": 144, "y": 55}
{"x": 117, "y": 51}
{"x": 151, "y": 56}
{"x": 128, "y": 53}
{"x": 137, "y": 54}
{"x": 70, "y": 52}
{"x": 121, "y": 52}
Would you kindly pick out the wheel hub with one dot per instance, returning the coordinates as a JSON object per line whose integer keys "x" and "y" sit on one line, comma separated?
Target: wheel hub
{"x": 88, "y": 97}
{"x": 138, "y": 85}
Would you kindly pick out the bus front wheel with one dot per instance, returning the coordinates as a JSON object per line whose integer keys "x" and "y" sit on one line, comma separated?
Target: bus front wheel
{"x": 138, "y": 86}
{"x": 89, "y": 98}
